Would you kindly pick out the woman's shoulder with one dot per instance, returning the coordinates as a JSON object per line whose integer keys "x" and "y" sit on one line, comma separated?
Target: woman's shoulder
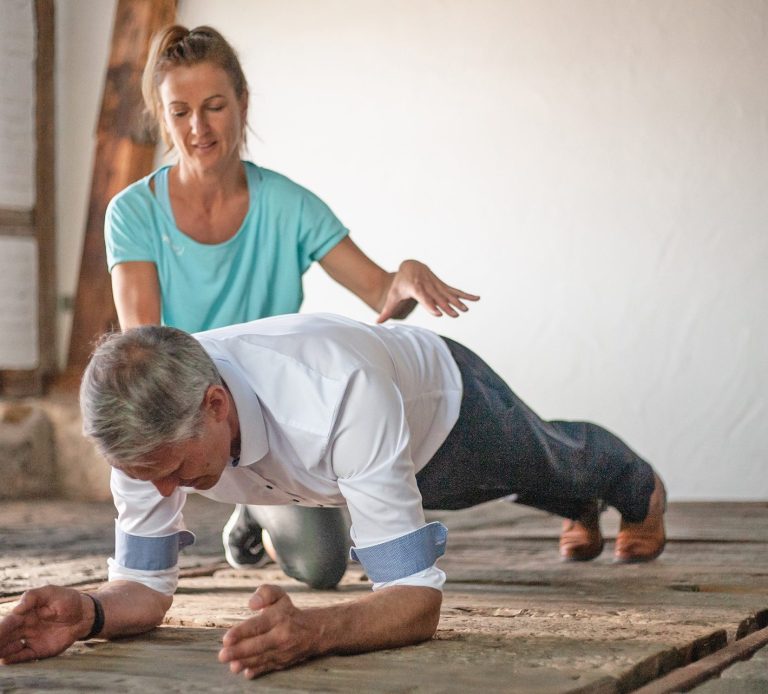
{"x": 136, "y": 196}
{"x": 273, "y": 182}
{"x": 135, "y": 209}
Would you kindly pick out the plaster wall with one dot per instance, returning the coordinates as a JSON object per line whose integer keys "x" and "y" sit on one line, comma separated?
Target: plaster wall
{"x": 596, "y": 170}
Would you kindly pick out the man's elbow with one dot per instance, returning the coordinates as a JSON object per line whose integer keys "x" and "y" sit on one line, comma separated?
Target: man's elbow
{"x": 152, "y": 615}
{"x": 429, "y": 617}
{"x": 162, "y": 605}
{"x": 138, "y": 608}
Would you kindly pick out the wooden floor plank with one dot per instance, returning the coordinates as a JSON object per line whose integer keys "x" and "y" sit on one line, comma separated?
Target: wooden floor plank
{"x": 711, "y": 666}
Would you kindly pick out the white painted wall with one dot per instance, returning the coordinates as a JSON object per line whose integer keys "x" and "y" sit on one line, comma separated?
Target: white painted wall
{"x": 82, "y": 40}
{"x": 595, "y": 169}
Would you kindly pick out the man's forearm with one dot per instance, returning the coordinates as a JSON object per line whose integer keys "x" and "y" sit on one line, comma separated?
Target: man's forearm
{"x": 129, "y": 608}
{"x": 390, "y": 617}
{"x": 49, "y": 619}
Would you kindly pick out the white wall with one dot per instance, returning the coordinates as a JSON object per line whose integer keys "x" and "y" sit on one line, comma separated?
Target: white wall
{"x": 82, "y": 41}
{"x": 595, "y": 169}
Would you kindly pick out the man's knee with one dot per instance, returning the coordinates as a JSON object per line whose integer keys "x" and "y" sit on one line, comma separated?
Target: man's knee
{"x": 320, "y": 572}
{"x": 311, "y": 545}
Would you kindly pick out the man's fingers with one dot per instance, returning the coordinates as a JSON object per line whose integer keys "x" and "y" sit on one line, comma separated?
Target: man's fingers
{"x": 270, "y": 602}
{"x": 258, "y": 664}
{"x": 265, "y": 594}
{"x": 20, "y": 652}
{"x": 259, "y": 634}
{"x": 256, "y": 671}
{"x": 11, "y": 647}
{"x": 259, "y": 669}
{"x": 255, "y": 626}
{"x": 9, "y": 625}
{"x": 249, "y": 651}
{"x": 34, "y": 600}
{"x": 27, "y": 603}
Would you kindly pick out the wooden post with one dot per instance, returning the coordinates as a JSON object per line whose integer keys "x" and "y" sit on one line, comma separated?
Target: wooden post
{"x": 125, "y": 151}
{"x": 45, "y": 205}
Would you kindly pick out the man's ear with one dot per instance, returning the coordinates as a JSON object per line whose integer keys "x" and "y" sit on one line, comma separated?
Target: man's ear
{"x": 216, "y": 402}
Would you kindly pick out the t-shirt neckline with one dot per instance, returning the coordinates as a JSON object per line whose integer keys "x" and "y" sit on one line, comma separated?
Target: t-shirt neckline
{"x": 162, "y": 197}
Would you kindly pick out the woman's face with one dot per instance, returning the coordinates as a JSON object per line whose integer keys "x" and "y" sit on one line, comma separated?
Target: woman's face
{"x": 203, "y": 115}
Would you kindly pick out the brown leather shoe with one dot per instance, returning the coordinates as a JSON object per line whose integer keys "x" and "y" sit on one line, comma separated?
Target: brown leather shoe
{"x": 644, "y": 541}
{"x": 580, "y": 540}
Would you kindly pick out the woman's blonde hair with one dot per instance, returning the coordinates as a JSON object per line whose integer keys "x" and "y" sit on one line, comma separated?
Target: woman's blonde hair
{"x": 177, "y": 46}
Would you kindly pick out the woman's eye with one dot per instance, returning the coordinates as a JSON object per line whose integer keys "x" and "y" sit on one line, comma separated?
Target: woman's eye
{"x": 215, "y": 108}
{"x": 178, "y": 114}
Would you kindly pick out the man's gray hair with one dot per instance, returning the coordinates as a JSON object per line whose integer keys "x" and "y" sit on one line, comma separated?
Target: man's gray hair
{"x": 144, "y": 389}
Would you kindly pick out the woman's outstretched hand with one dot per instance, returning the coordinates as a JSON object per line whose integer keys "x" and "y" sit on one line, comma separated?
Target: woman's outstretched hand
{"x": 415, "y": 283}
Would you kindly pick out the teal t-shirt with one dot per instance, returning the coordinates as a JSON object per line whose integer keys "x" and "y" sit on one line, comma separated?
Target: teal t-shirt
{"x": 256, "y": 273}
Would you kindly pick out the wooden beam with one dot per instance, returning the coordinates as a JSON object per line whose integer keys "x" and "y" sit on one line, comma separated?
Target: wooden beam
{"x": 125, "y": 151}
{"x": 16, "y": 218}
{"x": 45, "y": 199}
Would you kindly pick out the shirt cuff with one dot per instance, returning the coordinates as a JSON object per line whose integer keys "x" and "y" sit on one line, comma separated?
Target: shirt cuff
{"x": 429, "y": 578}
{"x": 403, "y": 556}
{"x": 150, "y": 553}
{"x": 162, "y": 581}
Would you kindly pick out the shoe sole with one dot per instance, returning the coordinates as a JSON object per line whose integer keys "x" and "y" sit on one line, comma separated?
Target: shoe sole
{"x": 576, "y": 558}
{"x": 640, "y": 560}
{"x": 228, "y": 528}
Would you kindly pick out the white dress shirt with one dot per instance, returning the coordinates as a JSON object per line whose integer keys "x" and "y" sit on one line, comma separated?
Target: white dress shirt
{"x": 332, "y": 412}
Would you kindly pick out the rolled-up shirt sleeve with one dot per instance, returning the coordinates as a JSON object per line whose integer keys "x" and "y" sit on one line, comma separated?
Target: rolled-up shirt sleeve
{"x": 376, "y": 474}
{"x": 149, "y": 533}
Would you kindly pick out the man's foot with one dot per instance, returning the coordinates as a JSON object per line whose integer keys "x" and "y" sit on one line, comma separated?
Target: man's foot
{"x": 644, "y": 541}
{"x": 580, "y": 540}
{"x": 243, "y": 546}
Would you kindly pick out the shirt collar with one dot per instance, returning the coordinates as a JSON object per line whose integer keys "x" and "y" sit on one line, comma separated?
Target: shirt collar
{"x": 253, "y": 433}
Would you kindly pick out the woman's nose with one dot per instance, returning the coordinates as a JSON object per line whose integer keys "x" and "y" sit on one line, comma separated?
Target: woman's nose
{"x": 199, "y": 123}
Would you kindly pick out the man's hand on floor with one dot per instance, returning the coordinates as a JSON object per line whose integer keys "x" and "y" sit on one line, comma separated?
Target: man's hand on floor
{"x": 46, "y": 621}
{"x": 277, "y": 636}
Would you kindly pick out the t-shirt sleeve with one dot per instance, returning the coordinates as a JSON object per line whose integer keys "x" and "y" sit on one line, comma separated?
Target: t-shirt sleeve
{"x": 320, "y": 230}
{"x": 129, "y": 229}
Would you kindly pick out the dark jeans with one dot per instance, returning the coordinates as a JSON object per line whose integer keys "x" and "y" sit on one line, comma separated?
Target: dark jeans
{"x": 499, "y": 447}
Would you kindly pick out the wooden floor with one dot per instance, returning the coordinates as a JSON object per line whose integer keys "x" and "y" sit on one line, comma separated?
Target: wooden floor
{"x": 514, "y": 618}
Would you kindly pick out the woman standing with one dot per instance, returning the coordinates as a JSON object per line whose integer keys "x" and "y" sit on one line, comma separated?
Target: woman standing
{"x": 214, "y": 240}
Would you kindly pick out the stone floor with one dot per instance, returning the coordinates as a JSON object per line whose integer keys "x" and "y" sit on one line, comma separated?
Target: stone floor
{"x": 514, "y": 618}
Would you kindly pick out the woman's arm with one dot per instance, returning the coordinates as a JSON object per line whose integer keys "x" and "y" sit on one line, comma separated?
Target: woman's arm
{"x": 392, "y": 294}
{"x": 136, "y": 291}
